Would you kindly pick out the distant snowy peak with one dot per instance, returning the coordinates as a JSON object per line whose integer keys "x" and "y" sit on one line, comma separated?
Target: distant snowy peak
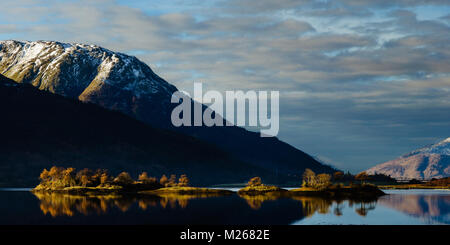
{"x": 441, "y": 148}
{"x": 425, "y": 163}
{"x": 74, "y": 69}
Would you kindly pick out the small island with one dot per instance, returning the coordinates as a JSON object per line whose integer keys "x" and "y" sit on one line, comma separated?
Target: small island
{"x": 321, "y": 185}
{"x": 256, "y": 187}
{"x": 315, "y": 185}
{"x": 99, "y": 182}
{"x": 443, "y": 183}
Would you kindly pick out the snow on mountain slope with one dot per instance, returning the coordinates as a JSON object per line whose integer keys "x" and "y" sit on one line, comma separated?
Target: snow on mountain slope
{"x": 123, "y": 83}
{"x": 87, "y": 72}
{"x": 425, "y": 163}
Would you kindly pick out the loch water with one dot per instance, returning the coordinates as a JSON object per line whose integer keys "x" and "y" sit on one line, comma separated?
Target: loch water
{"x": 400, "y": 207}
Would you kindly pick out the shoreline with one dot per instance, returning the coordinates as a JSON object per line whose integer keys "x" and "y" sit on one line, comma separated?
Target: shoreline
{"x": 134, "y": 191}
{"x": 413, "y": 187}
{"x": 357, "y": 191}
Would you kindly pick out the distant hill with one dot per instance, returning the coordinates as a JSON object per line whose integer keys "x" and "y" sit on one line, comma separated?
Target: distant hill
{"x": 122, "y": 83}
{"x": 39, "y": 129}
{"x": 425, "y": 163}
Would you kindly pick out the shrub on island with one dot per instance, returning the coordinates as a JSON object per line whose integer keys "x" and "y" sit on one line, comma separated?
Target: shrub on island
{"x": 59, "y": 178}
{"x": 256, "y": 187}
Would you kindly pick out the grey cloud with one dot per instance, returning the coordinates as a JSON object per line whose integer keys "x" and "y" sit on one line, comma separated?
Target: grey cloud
{"x": 346, "y": 96}
{"x": 8, "y": 28}
{"x": 393, "y": 3}
{"x": 250, "y": 6}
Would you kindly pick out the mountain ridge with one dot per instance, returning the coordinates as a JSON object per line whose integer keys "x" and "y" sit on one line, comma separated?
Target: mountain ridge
{"x": 431, "y": 161}
{"x": 122, "y": 83}
{"x": 41, "y": 129}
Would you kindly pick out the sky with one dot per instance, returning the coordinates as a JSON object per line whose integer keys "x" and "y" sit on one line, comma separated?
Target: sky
{"x": 361, "y": 82}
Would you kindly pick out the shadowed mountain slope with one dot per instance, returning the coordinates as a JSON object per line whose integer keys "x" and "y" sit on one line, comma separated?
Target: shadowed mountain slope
{"x": 40, "y": 129}
{"x": 122, "y": 83}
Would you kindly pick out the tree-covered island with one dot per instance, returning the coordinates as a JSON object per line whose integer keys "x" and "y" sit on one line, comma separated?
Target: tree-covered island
{"x": 68, "y": 180}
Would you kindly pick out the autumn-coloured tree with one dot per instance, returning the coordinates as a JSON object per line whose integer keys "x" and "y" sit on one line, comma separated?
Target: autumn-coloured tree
{"x": 143, "y": 177}
{"x": 255, "y": 181}
{"x": 55, "y": 177}
{"x": 183, "y": 181}
{"x": 323, "y": 180}
{"x": 124, "y": 178}
{"x": 44, "y": 176}
{"x": 69, "y": 177}
{"x": 104, "y": 178}
{"x": 172, "y": 180}
{"x": 146, "y": 179}
{"x": 55, "y": 173}
{"x": 309, "y": 178}
{"x": 96, "y": 176}
{"x": 58, "y": 178}
{"x": 84, "y": 177}
{"x": 164, "y": 180}
{"x": 84, "y": 180}
{"x": 363, "y": 176}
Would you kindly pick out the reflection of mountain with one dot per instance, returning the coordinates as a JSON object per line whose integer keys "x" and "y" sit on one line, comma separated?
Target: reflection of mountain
{"x": 434, "y": 207}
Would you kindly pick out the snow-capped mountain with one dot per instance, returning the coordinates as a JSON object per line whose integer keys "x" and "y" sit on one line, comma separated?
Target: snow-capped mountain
{"x": 441, "y": 148}
{"x": 120, "y": 82}
{"x": 87, "y": 72}
{"x": 425, "y": 163}
{"x": 69, "y": 69}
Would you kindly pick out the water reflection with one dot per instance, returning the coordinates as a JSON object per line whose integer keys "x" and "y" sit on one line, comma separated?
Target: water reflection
{"x": 406, "y": 207}
{"x": 435, "y": 206}
{"x": 60, "y": 204}
{"x": 57, "y": 204}
{"x": 313, "y": 205}
{"x": 398, "y": 208}
{"x": 255, "y": 201}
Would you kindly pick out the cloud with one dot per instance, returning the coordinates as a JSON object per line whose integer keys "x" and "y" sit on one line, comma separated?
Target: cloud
{"x": 7, "y": 28}
{"x": 360, "y": 81}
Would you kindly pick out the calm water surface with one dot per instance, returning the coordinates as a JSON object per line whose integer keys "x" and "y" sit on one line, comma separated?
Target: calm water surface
{"x": 409, "y": 207}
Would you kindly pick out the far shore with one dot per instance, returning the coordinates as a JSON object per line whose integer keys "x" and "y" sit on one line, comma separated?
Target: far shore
{"x": 99, "y": 182}
{"x": 413, "y": 187}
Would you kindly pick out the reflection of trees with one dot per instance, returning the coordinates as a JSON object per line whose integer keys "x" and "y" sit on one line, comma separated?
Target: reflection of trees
{"x": 255, "y": 201}
{"x": 312, "y": 205}
{"x": 57, "y": 204}
{"x": 364, "y": 207}
{"x": 144, "y": 204}
{"x": 338, "y": 209}
{"x": 61, "y": 204}
{"x": 124, "y": 203}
